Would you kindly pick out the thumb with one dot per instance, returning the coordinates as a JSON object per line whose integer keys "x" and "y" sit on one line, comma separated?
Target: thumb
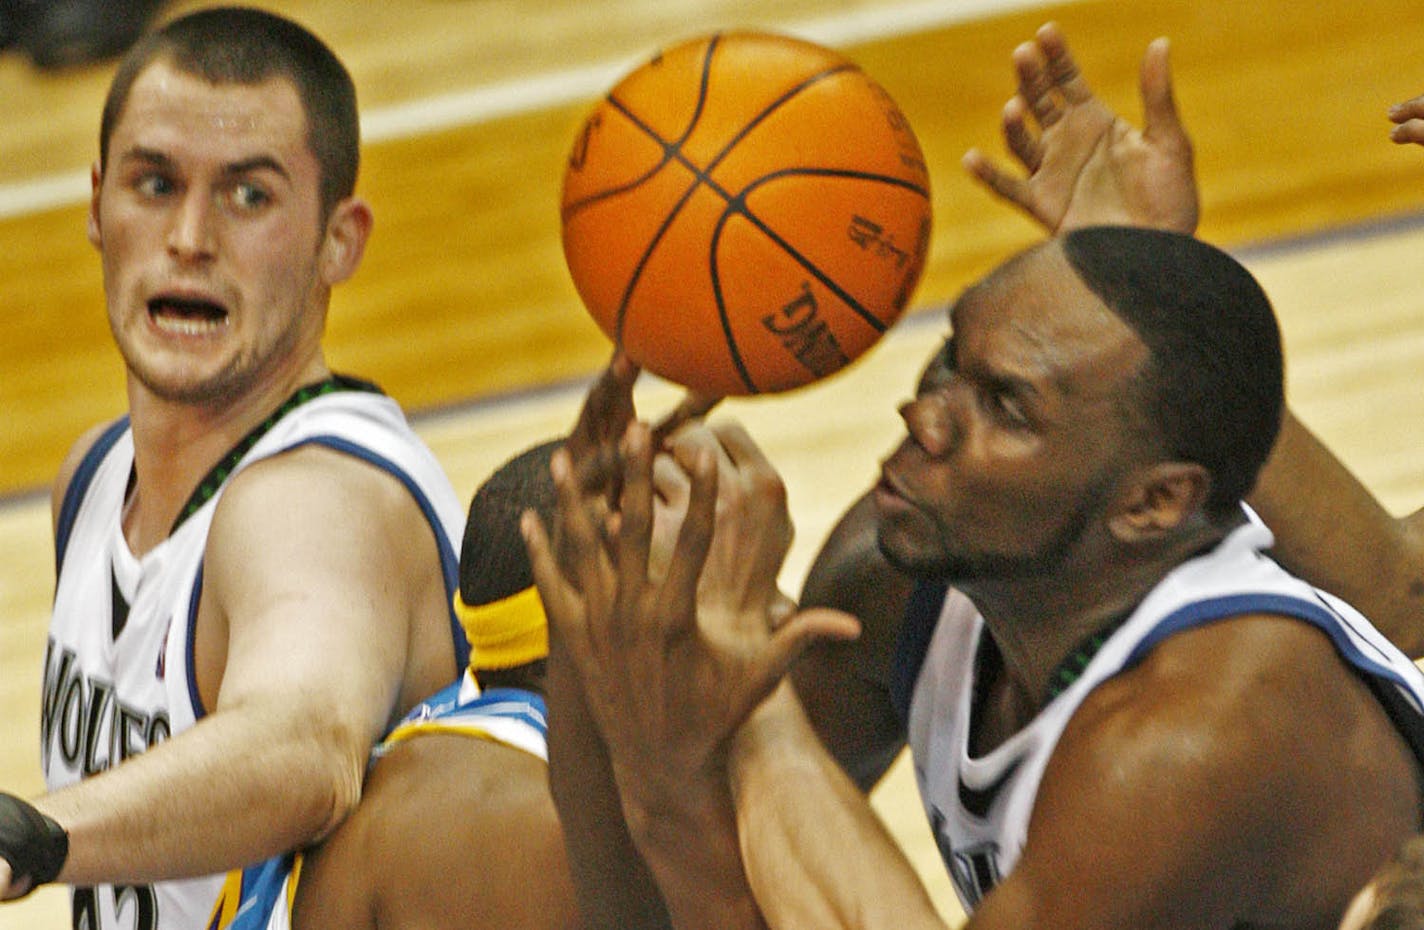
{"x": 803, "y": 628}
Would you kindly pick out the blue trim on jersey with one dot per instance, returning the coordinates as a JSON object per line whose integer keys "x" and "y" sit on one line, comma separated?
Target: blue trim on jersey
{"x": 262, "y": 888}
{"x": 1316, "y": 613}
{"x": 449, "y": 558}
{"x": 527, "y": 706}
{"x": 449, "y": 561}
{"x": 199, "y": 711}
{"x": 83, "y": 477}
{"x": 913, "y": 643}
{"x": 1401, "y": 702}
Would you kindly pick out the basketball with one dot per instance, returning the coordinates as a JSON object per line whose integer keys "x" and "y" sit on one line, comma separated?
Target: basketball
{"x": 745, "y": 213}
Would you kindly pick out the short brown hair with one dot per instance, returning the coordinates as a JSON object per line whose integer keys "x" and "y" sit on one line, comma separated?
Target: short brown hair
{"x": 240, "y": 45}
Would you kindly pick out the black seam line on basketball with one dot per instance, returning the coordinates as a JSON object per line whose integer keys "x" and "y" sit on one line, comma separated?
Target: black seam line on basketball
{"x": 739, "y": 206}
{"x": 643, "y": 260}
{"x": 673, "y": 150}
{"x": 601, "y": 196}
{"x": 669, "y": 148}
{"x": 761, "y": 117}
{"x": 702, "y": 176}
{"x": 728, "y": 336}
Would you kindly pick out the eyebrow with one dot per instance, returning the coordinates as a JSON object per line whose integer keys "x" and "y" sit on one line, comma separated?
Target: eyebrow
{"x": 232, "y": 169}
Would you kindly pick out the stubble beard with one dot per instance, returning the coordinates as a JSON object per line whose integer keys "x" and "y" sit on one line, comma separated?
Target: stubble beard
{"x": 965, "y": 568}
{"x": 237, "y": 377}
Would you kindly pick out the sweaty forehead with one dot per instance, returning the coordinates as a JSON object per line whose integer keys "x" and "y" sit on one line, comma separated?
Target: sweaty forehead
{"x": 1035, "y": 316}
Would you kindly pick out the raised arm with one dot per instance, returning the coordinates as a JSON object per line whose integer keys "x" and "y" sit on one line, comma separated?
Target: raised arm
{"x": 1333, "y": 532}
{"x": 1330, "y": 529}
{"x": 674, "y": 800}
{"x": 1083, "y": 164}
{"x": 670, "y": 668}
{"x": 612, "y": 882}
{"x": 816, "y": 853}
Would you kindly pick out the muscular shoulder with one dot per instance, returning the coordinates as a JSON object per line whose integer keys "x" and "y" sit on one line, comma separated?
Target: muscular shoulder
{"x": 317, "y": 473}
{"x": 1235, "y": 699}
{"x": 319, "y": 495}
{"x": 1243, "y": 756}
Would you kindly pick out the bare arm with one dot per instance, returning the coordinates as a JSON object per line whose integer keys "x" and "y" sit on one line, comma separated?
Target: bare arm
{"x": 671, "y": 801}
{"x": 788, "y": 791}
{"x": 615, "y": 888}
{"x": 1332, "y": 531}
{"x": 670, "y": 665}
{"x": 314, "y": 570}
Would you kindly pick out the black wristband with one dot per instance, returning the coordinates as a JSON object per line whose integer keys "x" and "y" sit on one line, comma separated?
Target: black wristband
{"x": 33, "y": 844}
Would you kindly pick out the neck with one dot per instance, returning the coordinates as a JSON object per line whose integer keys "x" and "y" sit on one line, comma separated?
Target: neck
{"x": 176, "y": 444}
{"x": 1037, "y": 622}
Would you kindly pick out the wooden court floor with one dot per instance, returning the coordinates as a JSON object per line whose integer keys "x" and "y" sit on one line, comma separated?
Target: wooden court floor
{"x": 463, "y": 310}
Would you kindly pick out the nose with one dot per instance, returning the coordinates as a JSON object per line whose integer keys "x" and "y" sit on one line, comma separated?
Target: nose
{"x": 191, "y": 234}
{"x": 931, "y": 421}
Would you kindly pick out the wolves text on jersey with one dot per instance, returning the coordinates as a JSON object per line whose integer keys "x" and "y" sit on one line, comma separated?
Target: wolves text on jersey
{"x": 81, "y": 718}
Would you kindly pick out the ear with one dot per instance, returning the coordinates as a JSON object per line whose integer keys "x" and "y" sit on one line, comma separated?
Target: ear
{"x": 1159, "y": 499}
{"x": 96, "y": 181}
{"x": 346, "y": 233}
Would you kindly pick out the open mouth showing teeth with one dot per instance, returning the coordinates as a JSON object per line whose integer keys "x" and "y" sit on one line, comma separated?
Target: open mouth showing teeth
{"x": 187, "y": 317}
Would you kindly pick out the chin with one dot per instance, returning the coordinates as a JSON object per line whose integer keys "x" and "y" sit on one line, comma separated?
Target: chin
{"x": 907, "y": 560}
{"x": 188, "y": 387}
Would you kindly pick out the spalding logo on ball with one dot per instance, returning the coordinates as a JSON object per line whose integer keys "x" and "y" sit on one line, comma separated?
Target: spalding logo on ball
{"x": 746, "y": 213}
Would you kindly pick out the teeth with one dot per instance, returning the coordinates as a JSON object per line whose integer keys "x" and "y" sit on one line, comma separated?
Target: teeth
{"x": 187, "y": 326}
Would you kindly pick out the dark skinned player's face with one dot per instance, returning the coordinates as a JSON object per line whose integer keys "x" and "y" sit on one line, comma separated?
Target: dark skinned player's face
{"x": 1016, "y": 435}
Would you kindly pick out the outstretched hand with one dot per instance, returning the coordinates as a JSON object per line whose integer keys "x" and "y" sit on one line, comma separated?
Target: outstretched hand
{"x": 1085, "y": 164}
{"x": 672, "y": 666}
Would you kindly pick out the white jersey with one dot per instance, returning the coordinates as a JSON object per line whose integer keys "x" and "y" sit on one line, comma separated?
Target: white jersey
{"x": 118, "y": 672}
{"x": 262, "y": 897}
{"x": 979, "y": 807}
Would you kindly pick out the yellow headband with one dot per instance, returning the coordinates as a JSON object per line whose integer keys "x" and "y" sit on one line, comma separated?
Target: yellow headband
{"x": 507, "y": 632}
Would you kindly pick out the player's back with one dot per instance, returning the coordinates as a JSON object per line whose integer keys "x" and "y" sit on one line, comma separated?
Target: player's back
{"x": 453, "y": 830}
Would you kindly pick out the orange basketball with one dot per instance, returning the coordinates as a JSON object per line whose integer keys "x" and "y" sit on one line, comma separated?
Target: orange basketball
{"x": 746, "y": 213}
